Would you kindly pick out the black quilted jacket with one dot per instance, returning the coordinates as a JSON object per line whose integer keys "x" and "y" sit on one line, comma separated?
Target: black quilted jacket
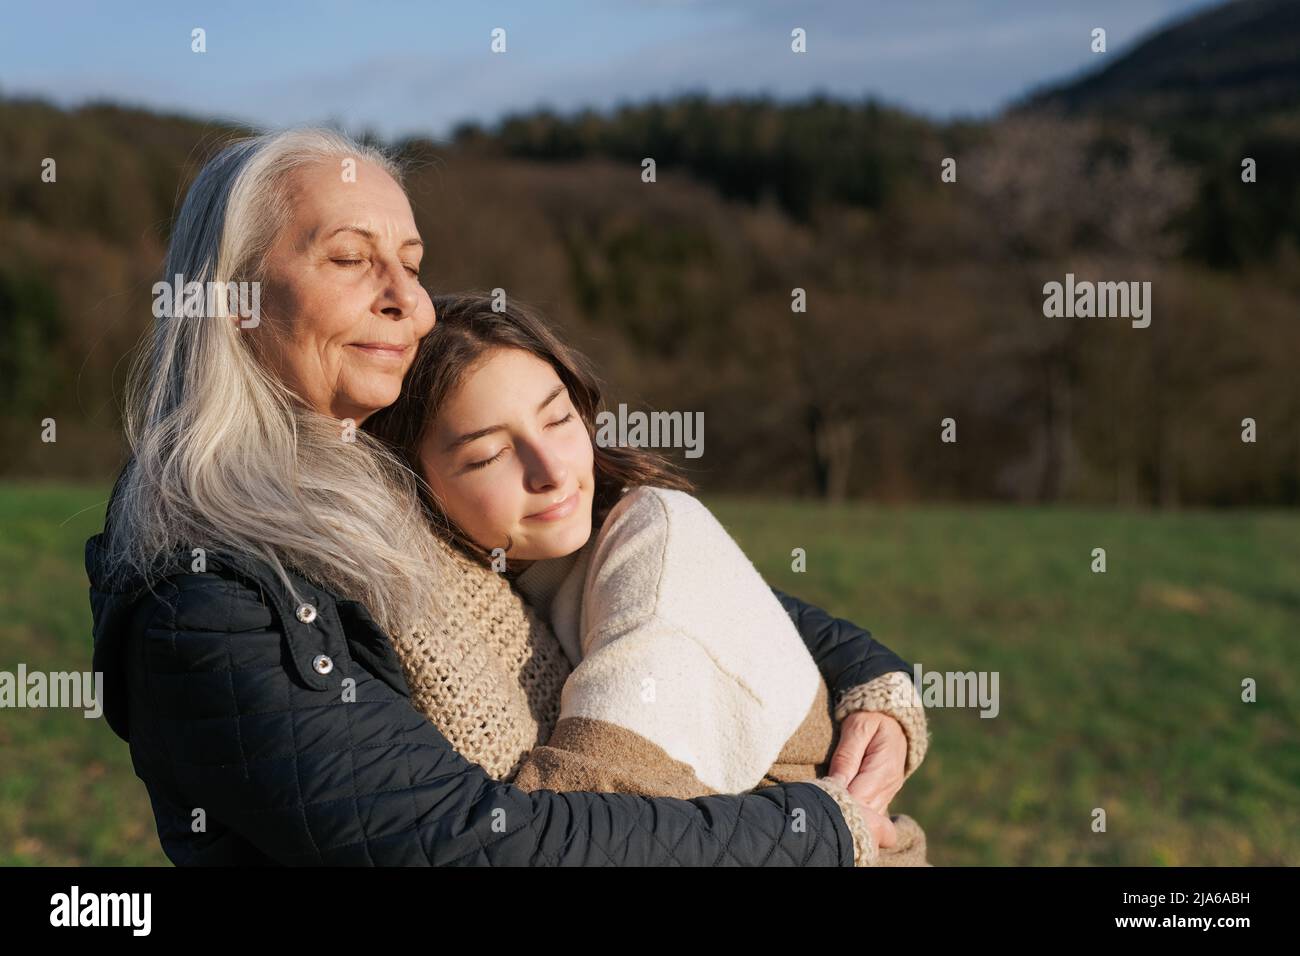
{"x": 255, "y": 752}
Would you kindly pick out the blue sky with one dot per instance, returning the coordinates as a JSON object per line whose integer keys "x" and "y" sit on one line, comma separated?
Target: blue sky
{"x": 408, "y": 67}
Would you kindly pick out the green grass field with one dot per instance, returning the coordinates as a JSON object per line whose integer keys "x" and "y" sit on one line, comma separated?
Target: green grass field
{"x": 1119, "y": 690}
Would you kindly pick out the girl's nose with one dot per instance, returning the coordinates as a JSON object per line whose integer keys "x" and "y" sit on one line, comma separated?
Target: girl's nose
{"x": 546, "y": 470}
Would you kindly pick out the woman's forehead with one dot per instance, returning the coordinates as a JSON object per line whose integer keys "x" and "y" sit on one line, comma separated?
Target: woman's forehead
{"x": 324, "y": 198}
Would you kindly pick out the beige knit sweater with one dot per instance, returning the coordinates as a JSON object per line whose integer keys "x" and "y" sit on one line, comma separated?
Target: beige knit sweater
{"x": 490, "y": 673}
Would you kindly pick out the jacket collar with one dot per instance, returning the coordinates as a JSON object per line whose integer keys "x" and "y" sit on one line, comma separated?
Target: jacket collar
{"x": 114, "y": 598}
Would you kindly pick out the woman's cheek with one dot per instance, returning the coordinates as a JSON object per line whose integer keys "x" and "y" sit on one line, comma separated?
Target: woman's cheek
{"x": 428, "y": 317}
{"x": 305, "y": 371}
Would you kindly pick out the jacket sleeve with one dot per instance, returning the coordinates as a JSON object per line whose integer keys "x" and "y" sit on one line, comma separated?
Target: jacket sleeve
{"x": 861, "y": 673}
{"x": 355, "y": 775}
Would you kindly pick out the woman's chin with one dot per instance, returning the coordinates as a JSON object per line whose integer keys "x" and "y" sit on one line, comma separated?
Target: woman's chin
{"x": 361, "y": 406}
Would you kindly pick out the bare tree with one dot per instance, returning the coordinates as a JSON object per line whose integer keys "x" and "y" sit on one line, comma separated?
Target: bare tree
{"x": 1057, "y": 196}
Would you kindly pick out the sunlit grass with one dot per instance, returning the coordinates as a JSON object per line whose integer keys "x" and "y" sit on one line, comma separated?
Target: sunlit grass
{"x": 1119, "y": 691}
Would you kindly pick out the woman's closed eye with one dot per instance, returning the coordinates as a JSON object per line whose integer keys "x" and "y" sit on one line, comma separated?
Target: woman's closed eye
{"x": 566, "y": 418}
{"x": 348, "y": 263}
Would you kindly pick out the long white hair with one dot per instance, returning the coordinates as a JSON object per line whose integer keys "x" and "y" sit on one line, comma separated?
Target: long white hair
{"x": 224, "y": 455}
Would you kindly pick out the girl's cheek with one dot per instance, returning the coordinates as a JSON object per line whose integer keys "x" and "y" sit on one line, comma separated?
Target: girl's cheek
{"x": 579, "y": 447}
{"x": 429, "y": 471}
{"x": 471, "y": 510}
{"x": 456, "y": 494}
{"x": 587, "y": 455}
{"x": 491, "y": 507}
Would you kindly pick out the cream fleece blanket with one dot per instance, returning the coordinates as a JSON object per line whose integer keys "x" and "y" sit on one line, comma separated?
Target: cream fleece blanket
{"x": 688, "y": 676}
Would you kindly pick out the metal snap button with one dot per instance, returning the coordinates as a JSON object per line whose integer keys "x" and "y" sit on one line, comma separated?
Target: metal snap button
{"x": 322, "y": 664}
{"x": 306, "y": 613}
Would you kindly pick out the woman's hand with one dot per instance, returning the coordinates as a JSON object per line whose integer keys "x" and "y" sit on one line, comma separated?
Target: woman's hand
{"x": 869, "y": 761}
{"x": 881, "y": 827}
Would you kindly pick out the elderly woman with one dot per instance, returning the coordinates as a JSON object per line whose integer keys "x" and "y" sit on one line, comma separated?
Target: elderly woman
{"x": 260, "y": 548}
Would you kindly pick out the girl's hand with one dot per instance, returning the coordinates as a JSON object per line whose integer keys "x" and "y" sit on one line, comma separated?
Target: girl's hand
{"x": 869, "y": 760}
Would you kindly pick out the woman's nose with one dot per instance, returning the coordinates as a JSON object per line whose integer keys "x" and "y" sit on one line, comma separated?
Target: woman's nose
{"x": 400, "y": 294}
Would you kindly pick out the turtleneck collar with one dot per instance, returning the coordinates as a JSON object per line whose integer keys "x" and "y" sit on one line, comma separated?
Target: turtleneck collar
{"x": 540, "y": 581}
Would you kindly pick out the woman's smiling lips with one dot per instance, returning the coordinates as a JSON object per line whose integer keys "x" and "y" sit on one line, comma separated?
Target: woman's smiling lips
{"x": 561, "y": 509}
{"x": 381, "y": 350}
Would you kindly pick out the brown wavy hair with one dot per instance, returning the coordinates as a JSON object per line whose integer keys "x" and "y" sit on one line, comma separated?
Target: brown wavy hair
{"x": 467, "y": 330}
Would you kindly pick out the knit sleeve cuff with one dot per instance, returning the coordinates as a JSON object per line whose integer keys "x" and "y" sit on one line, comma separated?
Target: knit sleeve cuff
{"x": 894, "y": 695}
{"x": 865, "y": 852}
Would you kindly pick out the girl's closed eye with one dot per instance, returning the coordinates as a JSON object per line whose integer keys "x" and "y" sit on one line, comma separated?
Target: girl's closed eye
{"x": 473, "y": 465}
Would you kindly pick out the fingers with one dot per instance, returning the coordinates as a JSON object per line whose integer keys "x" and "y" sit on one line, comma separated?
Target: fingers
{"x": 856, "y": 733}
{"x": 882, "y": 828}
{"x": 877, "y": 786}
{"x": 881, "y": 775}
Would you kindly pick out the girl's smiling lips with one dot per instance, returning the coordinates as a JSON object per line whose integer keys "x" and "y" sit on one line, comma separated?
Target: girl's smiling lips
{"x": 561, "y": 509}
